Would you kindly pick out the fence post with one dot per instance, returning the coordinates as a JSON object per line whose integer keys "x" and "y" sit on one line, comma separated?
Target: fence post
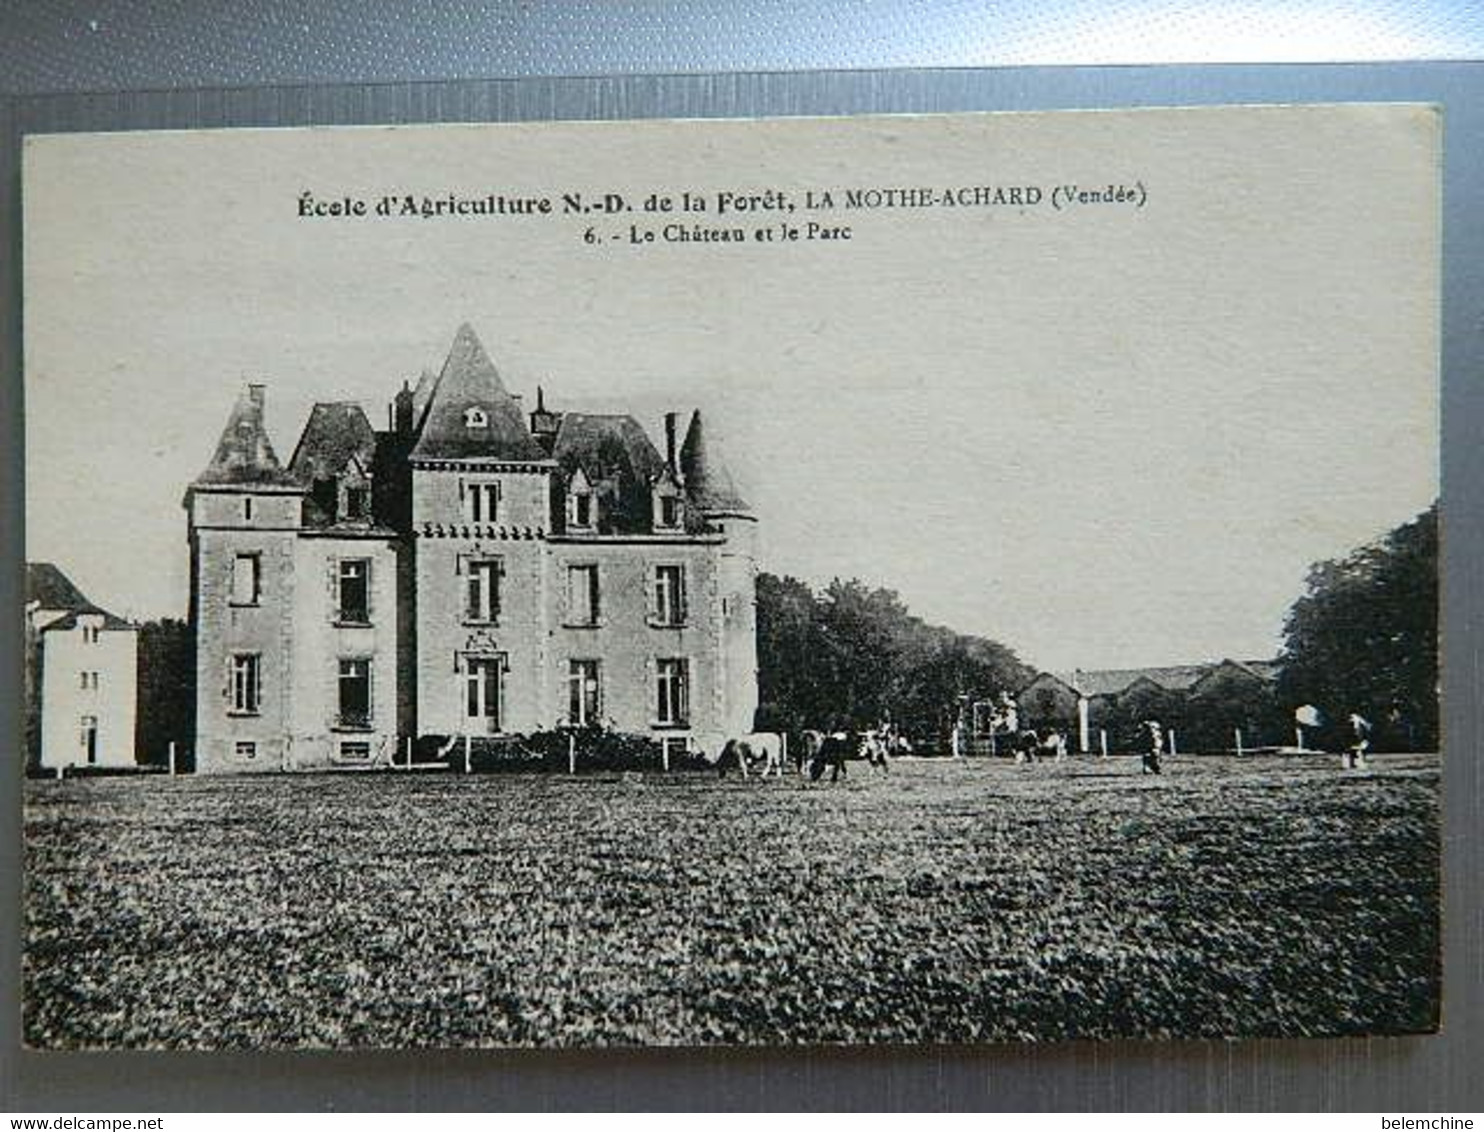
{"x": 571, "y": 754}
{"x": 409, "y": 752}
{"x": 664, "y": 755}
{"x": 1173, "y": 749}
{"x": 1239, "y": 742}
{"x": 1103, "y": 741}
{"x": 468, "y": 766}
{"x": 172, "y": 758}
{"x": 1298, "y": 734}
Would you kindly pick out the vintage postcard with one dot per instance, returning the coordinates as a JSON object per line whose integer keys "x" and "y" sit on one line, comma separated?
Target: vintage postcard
{"x": 894, "y": 579}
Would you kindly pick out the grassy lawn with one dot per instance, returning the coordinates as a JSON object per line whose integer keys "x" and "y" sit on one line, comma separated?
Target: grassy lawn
{"x": 963, "y": 901}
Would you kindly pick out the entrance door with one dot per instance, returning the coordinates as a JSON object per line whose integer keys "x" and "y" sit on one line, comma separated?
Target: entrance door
{"x": 89, "y": 738}
{"x": 482, "y": 694}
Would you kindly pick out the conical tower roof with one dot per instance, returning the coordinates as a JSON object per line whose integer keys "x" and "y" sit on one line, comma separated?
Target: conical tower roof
{"x": 244, "y": 455}
{"x": 470, "y": 415}
{"x": 708, "y": 483}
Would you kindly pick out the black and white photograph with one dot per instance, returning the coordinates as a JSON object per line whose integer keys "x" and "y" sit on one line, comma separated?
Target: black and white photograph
{"x": 918, "y": 579}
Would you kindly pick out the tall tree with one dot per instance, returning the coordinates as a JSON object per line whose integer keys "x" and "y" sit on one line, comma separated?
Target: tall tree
{"x": 853, "y": 655}
{"x": 1364, "y": 637}
{"x": 166, "y": 690}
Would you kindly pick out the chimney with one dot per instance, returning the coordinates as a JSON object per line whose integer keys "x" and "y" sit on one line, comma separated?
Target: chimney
{"x": 255, "y": 395}
{"x": 401, "y": 410}
{"x": 543, "y": 422}
{"x": 670, "y": 443}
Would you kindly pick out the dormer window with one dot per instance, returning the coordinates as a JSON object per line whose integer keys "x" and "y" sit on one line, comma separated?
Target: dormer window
{"x": 475, "y": 417}
{"x": 582, "y": 510}
{"x": 669, "y": 511}
{"x": 357, "y": 502}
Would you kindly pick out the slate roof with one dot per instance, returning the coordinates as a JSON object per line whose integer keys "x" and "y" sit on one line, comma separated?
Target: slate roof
{"x": 420, "y": 398}
{"x": 1174, "y": 678}
{"x": 51, "y": 589}
{"x": 618, "y": 459}
{"x": 469, "y": 380}
{"x": 336, "y": 432}
{"x": 708, "y": 483}
{"x": 244, "y": 455}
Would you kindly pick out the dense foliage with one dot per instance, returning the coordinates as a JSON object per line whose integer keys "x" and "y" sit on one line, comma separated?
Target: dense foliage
{"x": 166, "y": 695}
{"x": 851, "y": 656}
{"x": 1364, "y": 637}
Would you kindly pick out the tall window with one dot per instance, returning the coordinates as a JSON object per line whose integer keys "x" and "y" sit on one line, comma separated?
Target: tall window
{"x": 669, "y": 595}
{"x": 88, "y": 738}
{"x": 355, "y": 591}
{"x": 247, "y": 579}
{"x": 247, "y": 683}
{"x": 90, "y": 635}
{"x": 672, "y": 686}
{"x": 669, "y": 511}
{"x": 482, "y": 693}
{"x": 582, "y": 595}
{"x": 482, "y": 597}
{"x": 355, "y": 692}
{"x": 482, "y": 502}
{"x": 584, "y": 700}
{"x": 357, "y": 502}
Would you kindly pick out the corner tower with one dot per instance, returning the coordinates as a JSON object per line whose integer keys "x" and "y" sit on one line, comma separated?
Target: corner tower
{"x": 712, "y": 496}
{"x": 244, "y": 513}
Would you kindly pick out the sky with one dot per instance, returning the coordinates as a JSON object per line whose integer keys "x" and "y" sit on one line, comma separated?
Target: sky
{"x": 1106, "y": 434}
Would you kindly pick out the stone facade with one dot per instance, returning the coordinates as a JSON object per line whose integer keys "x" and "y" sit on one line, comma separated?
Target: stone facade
{"x": 473, "y": 570}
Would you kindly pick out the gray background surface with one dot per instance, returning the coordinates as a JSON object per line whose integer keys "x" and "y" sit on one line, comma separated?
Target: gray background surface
{"x": 214, "y": 64}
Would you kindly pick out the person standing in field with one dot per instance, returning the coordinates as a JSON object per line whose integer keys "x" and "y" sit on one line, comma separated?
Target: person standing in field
{"x": 1360, "y": 741}
{"x": 1153, "y": 743}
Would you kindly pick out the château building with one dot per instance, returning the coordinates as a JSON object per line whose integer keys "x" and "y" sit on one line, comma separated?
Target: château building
{"x": 472, "y": 570}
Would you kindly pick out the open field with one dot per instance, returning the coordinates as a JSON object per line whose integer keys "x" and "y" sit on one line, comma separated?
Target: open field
{"x": 952, "y": 901}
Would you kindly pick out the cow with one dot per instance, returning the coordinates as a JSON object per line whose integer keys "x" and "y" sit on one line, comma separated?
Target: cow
{"x": 836, "y": 749}
{"x": 747, "y": 751}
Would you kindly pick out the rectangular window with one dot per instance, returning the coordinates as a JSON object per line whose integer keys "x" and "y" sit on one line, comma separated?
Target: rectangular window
{"x": 584, "y": 698}
{"x": 669, "y": 511}
{"x": 355, "y": 591}
{"x": 357, "y": 503}
{"x": 582, "y": 509}
{"x": 482, "y": 602}
{"x": 247, "y": 579}
{"x": 673, "y": 691}
{"x": 482, "y": 693}
{"x": 247, "y": 683}
{"x": 482, "y": 502}
{"x": 90, "y": 635}
{"x": 355, "y": 692}
{"x": 246, "y": 749}
{"x": 669, "y": 595}
{"x": 582, "y": 595}
{"x": 88, "y": 738}
{"x": 355, "y": 752}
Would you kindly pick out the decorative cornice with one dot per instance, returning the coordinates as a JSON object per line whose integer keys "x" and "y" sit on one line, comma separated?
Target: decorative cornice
{"x": 477, "y": 531}
{"x": 484, "y": 464}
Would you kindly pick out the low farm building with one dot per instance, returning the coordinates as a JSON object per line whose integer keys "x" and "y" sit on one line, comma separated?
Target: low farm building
{"x": 1208, "y": 702}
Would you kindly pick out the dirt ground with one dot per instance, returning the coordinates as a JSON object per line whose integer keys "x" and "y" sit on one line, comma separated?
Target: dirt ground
{"x": 951, "y": 901}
